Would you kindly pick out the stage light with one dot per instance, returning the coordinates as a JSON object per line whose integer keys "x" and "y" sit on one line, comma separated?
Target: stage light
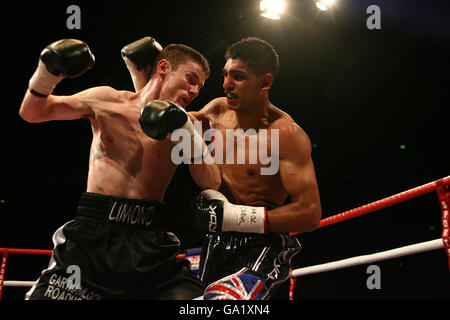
{"x": 271, "y": 9}
{"x": 324, "y": 5}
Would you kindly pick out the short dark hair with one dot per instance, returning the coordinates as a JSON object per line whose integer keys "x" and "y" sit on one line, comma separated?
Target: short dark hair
{"x": 178, "y": 54}
{"x": 259, "y": 55}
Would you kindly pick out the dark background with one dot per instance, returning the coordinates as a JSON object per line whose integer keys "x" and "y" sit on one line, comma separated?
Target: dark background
{"x": 374, "y": 103}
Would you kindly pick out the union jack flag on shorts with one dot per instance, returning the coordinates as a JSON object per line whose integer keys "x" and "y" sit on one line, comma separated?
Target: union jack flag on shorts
{"x": 238, "y": 286}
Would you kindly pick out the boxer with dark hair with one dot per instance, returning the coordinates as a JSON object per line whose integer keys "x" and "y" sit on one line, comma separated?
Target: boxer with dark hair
{"x": 247, "y": 223}
{"x": 120, "y": 238}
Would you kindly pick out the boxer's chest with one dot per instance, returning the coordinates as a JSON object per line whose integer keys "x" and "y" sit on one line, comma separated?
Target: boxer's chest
{"x": 245, "y": 151}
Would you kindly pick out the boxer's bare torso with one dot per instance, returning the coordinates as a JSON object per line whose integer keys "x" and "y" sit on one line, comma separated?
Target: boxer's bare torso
{"x": 247, "y": 106}
{"x": 243, "y": 183}
{"x": 123, "y": 161}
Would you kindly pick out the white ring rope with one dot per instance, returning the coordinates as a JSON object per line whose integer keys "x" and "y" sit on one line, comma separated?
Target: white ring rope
{"x": 15, "y": 283}
{"x": 330, "y": 266}
{"x": 365, "y": 259}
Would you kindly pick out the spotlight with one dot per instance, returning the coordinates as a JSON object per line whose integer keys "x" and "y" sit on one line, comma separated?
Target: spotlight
{"x": 271, "y": 9}
{"x": 324, "y": 5}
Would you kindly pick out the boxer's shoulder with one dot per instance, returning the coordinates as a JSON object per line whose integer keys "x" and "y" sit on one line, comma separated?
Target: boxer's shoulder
{"x": 211, "y": 110}
{"x": 283, "y": 122}
{"x": 106, "y": 97}
{"x": 216, "y": 106}
{"x": 107, "y": 93}
{"x": 101, "y": 93}
{"x": 291, "y": 135}
{"x": 105, "y": 100}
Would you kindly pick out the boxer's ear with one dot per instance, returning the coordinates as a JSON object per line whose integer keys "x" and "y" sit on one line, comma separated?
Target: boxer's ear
{"x": 163, "y": 67}
{"x": 266, "y": 81}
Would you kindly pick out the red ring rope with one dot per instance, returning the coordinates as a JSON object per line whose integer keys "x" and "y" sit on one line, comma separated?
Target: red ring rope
{"x": 442, "y": 188}
{"x": 386, "y": 202}
{"x": 27, "y": 251}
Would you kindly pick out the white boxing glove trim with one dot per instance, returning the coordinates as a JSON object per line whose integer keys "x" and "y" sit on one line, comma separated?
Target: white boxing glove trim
{"x": 245, "y": 219}
{"x": 43, "y": 81}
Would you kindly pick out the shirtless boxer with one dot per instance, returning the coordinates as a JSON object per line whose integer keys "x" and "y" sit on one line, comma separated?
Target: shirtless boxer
{"x": 119, "y": 240}
{"x": 246, "y": 223}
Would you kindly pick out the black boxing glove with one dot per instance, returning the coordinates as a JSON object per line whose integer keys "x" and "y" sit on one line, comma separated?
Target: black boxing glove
{"x": 64, "y": 58}
{"x": 271, "y": 269}
{"x": 213, "y": 214}
{"x": 139, "y": 57}
{"x": 161, "y": 117}
{"x": 274, "y": 263}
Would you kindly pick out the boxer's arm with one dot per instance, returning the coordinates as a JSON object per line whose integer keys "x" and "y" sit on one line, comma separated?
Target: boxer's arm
{"x": 299, "y": 180}
{"x": 64, "y": 58}
{"x": 40, "y": 109}
{"x": 139, "y": 57}
{"x": 207, "y": 114}
{"x": 207, "y": 176}
{"x": 160, "y": 119}
{"x": 205, "y": 173}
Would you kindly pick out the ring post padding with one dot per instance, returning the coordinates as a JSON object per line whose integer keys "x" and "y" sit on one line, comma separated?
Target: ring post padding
{"x": 443, "y": 192}
{"x": 2, "y": 271}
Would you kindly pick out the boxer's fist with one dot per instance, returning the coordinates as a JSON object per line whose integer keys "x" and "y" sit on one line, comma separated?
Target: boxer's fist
{"x": 160, "y": 117}
{"x": 139, "y": 57}
{"x": 257, "y": 282}
{"x": 213, "y": 213}
{"x": 142, "y": 52}
{"x": 64, "y": 58}
{"x": 68, "y": 57}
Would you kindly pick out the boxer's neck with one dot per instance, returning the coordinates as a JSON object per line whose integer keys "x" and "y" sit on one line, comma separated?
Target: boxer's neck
{"x": 255, "y": 116}
{"x": 151, "y": 91}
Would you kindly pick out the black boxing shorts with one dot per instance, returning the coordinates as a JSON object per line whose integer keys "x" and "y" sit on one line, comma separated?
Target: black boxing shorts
{"x": 116, "y": 248}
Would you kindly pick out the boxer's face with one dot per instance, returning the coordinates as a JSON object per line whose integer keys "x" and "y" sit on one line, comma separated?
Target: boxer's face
{"x": 241, "y": 85}
{"x": 183, "y": 84}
